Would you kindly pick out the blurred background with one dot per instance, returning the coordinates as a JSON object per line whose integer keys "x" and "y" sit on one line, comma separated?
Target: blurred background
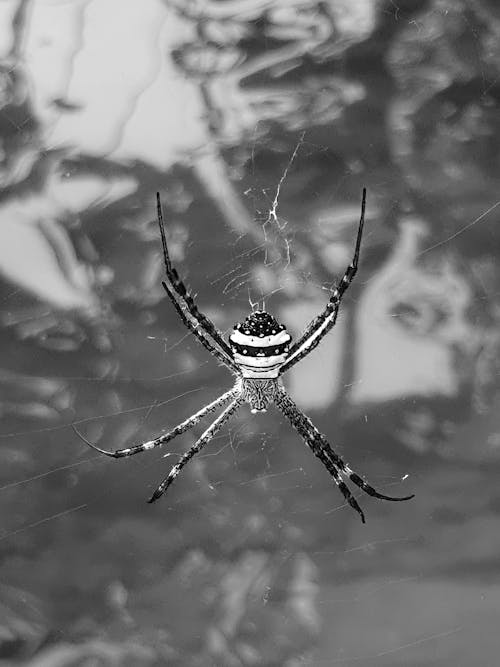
{"x": 259, "y": 122}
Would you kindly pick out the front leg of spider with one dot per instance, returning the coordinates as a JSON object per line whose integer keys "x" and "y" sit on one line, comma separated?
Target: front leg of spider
{"x": 322, "y": 449}
{"x": 166, "y": 437}
{"x": 211, "y": 431}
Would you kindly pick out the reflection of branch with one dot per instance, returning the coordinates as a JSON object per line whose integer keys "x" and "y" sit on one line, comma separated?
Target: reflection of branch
{"x": 18, "y": 24}
{"x": 211, "y": 170}
{"x": 231, "y": 10}
{"x": 38, "y": 255}
{"x": 300, "y": 34}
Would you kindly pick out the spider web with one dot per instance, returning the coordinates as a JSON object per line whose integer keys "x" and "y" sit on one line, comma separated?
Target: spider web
{"x": 255, "y": 487}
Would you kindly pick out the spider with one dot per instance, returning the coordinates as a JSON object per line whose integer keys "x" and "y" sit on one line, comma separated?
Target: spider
{"x": 259, "y": 352}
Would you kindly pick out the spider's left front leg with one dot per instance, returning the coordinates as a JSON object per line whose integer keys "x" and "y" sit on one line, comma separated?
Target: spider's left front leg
{"x": 322, "y": 449}
{"x": 304, "y": 426}
{"x": 211, "y": 431}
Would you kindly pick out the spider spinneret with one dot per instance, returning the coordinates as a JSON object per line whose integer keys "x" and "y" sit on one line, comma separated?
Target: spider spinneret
{"x": 259, "y": 352}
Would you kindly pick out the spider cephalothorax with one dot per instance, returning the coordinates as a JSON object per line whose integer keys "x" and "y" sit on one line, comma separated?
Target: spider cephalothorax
{"x": 259, "y": 351}
{"x": 260, "y": 345}
{"x": 260, "y": 393}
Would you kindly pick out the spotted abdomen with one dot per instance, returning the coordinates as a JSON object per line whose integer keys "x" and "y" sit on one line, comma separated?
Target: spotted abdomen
{"x": 260, "y": 345}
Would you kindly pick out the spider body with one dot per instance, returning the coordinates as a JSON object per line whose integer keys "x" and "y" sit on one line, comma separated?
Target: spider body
{"x": 260, "y": 393}
{"x": 259, "y": 352}
{"x": 260, "y": 346}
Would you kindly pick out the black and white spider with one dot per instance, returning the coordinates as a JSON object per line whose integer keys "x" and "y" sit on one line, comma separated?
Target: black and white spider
{"x": 258, "y": 353}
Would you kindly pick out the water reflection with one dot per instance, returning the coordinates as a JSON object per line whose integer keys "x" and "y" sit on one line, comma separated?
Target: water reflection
{"x": 259, "y": 122}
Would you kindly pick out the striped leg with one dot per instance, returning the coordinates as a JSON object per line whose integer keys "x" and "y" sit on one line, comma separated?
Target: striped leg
{"x": 354, "y": 477}
{"x": 318, "y": 443}
{"x": 198, "y": 323}
{"x": 323, "y": 323}
{"x": 211, "y": 431}
{"x": 166, "y": 437}
{"x": 305, "y": 428}
{"x": 359, "y": 481}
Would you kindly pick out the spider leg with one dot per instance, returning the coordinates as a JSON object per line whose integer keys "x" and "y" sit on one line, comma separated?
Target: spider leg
{"x": 300, "y": 423}
{"x": 318, "y": 443}
{"x": 166, "y": 437}
{"x": 344, "y": 468}
{"x": 323, "y": 323}
{"x": 211, "y": 431}
{"x": 359, "y": 481}
{"x": 354, "y": 477}
{"x": 198, "y": 323}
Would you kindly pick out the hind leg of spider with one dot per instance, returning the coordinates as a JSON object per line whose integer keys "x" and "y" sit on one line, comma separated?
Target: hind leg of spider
{"x": 198, "y": 323}
{"x": 323, "y": 323}
{"x": 166, "y": 437}
{"x": 211, "y": 431}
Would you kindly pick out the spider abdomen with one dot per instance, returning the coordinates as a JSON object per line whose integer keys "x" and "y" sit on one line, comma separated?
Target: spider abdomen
{"x": 260, "y": 345}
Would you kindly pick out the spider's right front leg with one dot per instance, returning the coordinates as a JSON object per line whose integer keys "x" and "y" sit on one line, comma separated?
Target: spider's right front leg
{"x": 166, "y": 437}
{"x": 205, "y": 438}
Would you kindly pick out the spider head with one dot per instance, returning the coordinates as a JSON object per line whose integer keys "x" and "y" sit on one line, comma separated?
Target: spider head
{"x": 260, "y": 345}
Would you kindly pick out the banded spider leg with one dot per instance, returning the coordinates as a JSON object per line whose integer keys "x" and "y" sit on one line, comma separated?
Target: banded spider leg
{"x": 199, "y": 324}
{"x": 211, "y": 431}
{"x": 325, "y": 321}
{"x": 322, "y": 449}
{"x": 166, "y": 437}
